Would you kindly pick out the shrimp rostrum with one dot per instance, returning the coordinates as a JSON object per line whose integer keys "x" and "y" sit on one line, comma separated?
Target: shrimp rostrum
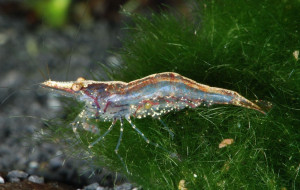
{"x": 153, "y": 96}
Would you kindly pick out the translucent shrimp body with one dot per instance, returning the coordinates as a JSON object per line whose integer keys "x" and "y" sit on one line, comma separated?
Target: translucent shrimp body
{"x": 153, "y": 96}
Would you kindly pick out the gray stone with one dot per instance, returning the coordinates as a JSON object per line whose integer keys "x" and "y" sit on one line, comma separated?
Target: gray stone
{"x": 100, "y": 188}
{"x": 92, "y": 186}
{"x": 1, "y": 180}
{"x": 14, "y": 180}
{"x": 17, "y": 174}
{"x": 55, "y": 163}
{"x": 36, "y": 179}
{"x": 33, "y": 165}
{"x": 124, "y": 186}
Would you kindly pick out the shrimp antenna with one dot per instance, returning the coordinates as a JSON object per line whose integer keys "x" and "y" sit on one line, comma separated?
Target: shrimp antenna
{"x": 43, "y": 74}
{"x": 48, "y": 71}
{"x": 76, "y": 36}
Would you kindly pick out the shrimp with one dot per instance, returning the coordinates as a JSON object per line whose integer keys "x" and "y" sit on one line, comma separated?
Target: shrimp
{"x": 154, "y": 95}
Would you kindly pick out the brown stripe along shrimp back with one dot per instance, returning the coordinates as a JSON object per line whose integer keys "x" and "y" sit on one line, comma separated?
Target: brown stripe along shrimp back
{"x": 153, "y": 96}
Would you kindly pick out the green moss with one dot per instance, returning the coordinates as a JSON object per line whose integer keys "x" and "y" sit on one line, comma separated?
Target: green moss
{"x": 246, "y": 46}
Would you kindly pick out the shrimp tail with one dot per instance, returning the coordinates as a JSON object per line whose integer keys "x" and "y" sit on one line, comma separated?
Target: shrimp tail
{"x": 243, "y": 102}
{"x": 236, "y": 99}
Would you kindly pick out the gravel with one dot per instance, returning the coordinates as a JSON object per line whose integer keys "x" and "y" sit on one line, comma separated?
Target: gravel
{"x": 125, "y": 186}
{"x": 25, "y": 181}
{"x": 36, "y": 179}
{"x": 10, "y": 181}
{"x": 17, "y": 174}
{"x": 24, "y": 55}
{"x": 100, "y": 188}
{"x": 14, "y": 180}
{"x": 92, "y": 186}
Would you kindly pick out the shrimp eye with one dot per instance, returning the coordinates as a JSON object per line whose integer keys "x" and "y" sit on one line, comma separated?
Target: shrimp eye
{"x": 76, "y": 87}
{"x": 80, "y": 79}
{"x": 148, "y": 105}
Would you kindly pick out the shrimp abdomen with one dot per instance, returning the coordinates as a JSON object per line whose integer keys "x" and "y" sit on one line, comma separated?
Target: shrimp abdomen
{"x": 173, "y": 91}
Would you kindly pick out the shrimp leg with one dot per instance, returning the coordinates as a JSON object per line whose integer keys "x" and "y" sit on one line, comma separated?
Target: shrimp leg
{"x": 118, "y": 144}
{"x": 166, "y": 128}
{"x": 76, "y": 123}
{"x": 101, "y": 137}
{"x": 74, "y": 128}
{"x": 142, "y": 134}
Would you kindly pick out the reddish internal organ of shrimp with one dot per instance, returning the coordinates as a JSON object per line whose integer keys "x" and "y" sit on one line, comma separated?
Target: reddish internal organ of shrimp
{"x": 153, "y": 96}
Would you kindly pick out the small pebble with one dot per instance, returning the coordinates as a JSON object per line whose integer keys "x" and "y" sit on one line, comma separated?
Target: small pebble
{"x": 92, "y": 186}
{"x": 36, "y": 179}
{"x": 33, "y": 165}
{"x": 1, "y": 180}
{"x": 17, "y": 174}
{"x": 124, "y": 186}
{"x": 14, "y": 180}
{"x": 55, "y": 163}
